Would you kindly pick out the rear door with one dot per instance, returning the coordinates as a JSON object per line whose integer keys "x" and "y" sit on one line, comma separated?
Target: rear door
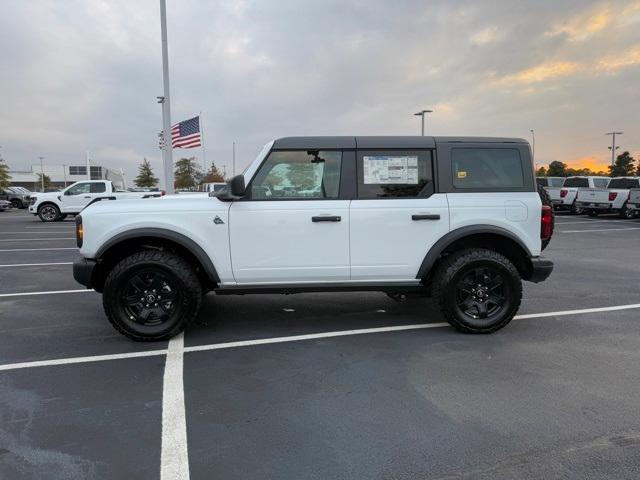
{"x": 293, "y": 225}
{"x": 396, "y": 216}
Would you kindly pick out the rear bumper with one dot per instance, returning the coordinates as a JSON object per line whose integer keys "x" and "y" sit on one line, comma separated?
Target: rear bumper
{"x": 83, "y": 271}
{"x": 594, "y": 205}
{"x": 541, "y": 268}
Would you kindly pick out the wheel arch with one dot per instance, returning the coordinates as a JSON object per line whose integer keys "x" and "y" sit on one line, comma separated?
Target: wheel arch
{"x": 478, "y": 236}
{"x": 123, "y": 244}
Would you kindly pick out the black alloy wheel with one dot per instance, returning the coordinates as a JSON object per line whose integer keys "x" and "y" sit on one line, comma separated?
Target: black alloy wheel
{"x": 481, "y": 293}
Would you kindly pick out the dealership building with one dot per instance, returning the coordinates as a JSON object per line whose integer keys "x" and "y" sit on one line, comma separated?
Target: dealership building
{"x": 64, "y": 175}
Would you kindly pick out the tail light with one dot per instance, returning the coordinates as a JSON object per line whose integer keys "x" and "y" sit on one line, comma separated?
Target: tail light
{"x": 563, "y": 193}
{"x": 79, "y": 231}
{"x": 546, "y": 223}
{"x": 612, "y": 196}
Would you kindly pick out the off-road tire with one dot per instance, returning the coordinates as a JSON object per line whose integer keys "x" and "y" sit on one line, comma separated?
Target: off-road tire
{"x": 546, "y": 200}
{"x": 48, "y": 212}
{"x": 454, "y": 267}
{"x": 181, "y": 272}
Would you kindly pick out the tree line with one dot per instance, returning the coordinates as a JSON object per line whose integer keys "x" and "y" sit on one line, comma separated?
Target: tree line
{"x": 624, "y": 166}
{"x": 187, "y": 174}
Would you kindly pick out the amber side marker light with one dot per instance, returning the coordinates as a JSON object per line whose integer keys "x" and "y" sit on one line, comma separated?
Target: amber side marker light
{"x": 79, "y": 231}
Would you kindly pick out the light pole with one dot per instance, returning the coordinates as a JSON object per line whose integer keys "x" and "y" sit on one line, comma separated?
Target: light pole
{"x": 613, "y": 147}
{"x": 167, "y": 152}
{"x": 64, "y": 173}
{"x": 533, "y": 145}
{"x": 421, "y": 113}
{"x": 233, "y": 169}
{"x": 41, "y": 173}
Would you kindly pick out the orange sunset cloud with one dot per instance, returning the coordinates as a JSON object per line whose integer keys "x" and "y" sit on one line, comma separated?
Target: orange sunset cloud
{"x": 593, "y": 163}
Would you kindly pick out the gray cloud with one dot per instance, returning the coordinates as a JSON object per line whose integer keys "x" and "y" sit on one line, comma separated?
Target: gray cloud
{"x": 82, "y": 76}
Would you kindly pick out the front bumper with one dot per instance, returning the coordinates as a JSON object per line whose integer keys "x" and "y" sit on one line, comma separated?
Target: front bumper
{"x": 83, "y": 271}
{"x": 33, "y": 209}
{"x": 541, "y": 268}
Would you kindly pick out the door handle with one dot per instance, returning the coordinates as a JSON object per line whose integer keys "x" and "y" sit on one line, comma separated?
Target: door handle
{"x": 326, "y": 218}
{"x": 88, "y": 196}
{"x": 434, "y": 216}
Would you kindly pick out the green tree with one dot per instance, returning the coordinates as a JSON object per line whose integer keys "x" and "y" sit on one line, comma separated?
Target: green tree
{"x": 623, "y": 167}
{"x": 638, "y": 170}
{"x": 214, "y": 175}
{"x": 187, "y": 173}
{"x": 5, "y": 178}
{"x": 145, "y": 176}
{"x": 557, "y": 169}
{"x": 541, "y": 172}
{"x": 302, "y": 175}
{"x": 47, "y": 180}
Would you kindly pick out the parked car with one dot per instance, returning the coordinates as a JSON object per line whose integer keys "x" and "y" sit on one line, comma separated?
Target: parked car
{"x": 52, "y": 207}
{"x": 5, "y": 205}
{"x": 464, "y": 226}
{"x": 18, "y": 197}
{"x": 214, "y": 187}
{"x": 564, "y": 198}
{"x": 614, "y": 198}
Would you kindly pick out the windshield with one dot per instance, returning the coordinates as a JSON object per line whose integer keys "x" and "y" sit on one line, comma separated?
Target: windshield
{"x": 624, "y": 183}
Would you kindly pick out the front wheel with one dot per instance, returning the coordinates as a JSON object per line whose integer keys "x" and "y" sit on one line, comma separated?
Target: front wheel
{"x": 151, "y": 295}
{"x": 478, "y": 290}
{"x": 15, "y": 203}
{"x": 48, "y": 212}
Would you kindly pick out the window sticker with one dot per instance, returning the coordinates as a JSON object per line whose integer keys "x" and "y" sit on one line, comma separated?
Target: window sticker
{"x": 385, "y": 169}
{"x": 462, "y": 174}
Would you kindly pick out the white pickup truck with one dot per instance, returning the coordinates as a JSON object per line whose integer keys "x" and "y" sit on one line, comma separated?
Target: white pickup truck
{"x": 564, "y": 198}
{"x": 55, "y": 206}
{"x": 614, "y": 198}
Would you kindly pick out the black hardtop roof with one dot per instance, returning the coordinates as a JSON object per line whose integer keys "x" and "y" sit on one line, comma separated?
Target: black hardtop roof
{"x": 382, "y": 141}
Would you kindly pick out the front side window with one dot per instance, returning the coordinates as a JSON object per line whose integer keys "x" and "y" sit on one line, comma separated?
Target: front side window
{"x": 79, "y": 189}
{"x": 298, "y": 174}
{"x": 394, "y": 174}
{"x": 487, "y": 168}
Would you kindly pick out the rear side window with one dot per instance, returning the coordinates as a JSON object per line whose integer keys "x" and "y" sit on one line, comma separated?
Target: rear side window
{"x": 487, "y": 168}
{"x": 394, "y": 174}
{"x": 98, "y": 188}
{"x": 580, "y": 182}
{"x": 624, "y": 183}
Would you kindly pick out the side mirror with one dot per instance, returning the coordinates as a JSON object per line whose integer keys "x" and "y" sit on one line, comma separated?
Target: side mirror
{"x": 235, "y": 190}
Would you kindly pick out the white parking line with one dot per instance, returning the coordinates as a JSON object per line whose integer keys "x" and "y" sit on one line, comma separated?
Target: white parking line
{"x": 311, "y": 336}
{"x": 35, "y": 239}
{"x": 52, "y": 292}
{"x": 35, "y": 264}
{"x": 596, "y": 221}
{"x": 31, "y": 233}
{"x": 174, "y": 458}
{"x": 599, "y": 230}
{"x": 37, "y": 249}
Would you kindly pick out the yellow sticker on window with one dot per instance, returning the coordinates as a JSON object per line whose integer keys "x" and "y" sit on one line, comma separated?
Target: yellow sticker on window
{"x": 462, "y": 174}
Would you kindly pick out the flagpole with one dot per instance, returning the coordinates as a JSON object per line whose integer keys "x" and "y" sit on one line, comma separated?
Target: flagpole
{"x": 204, "y": 153}
{"x": 167, "y": 152}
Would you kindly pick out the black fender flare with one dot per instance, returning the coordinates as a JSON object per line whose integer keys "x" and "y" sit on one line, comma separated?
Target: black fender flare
{"x": 459, "y": 233}
{"x": 184, "y": 241}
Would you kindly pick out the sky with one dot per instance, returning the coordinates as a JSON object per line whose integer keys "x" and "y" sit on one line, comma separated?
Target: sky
{"x": 79, "y": 76}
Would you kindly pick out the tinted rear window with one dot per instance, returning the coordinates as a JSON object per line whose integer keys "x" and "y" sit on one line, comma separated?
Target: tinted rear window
{"x": 577, "y": 182}
{"x": 487, "y": 168}
{"x": 624, "y": 183}
{"x": 98, "y": 188}
{"x": 556, "y": 182}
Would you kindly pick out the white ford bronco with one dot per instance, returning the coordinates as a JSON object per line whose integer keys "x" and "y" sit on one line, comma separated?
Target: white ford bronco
{"x": 458, "y": 219}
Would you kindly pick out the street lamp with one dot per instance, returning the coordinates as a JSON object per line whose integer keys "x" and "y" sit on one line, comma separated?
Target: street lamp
{"x": 533, "y": 145}
{"x": 613, "y": 147}
{"x": 41, "y": 173}
{"x": 421, "y": 113}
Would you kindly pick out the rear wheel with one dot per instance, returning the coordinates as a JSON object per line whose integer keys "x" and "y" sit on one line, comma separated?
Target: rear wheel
{"x": 576, "y": 210}
{"x": 151, "y": 295}
{"x": 48, "y": 212}
{"x": 626, "y": 212}
{"x": 593, "y": 213}
{"x": 477, "y": 290}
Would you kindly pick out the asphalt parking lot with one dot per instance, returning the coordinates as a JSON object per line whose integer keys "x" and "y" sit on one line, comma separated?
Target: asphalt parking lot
{"x": 324, "y": 386}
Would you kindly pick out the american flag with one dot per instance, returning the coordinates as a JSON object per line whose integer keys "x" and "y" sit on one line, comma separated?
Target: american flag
{"x": 185, "y": 134}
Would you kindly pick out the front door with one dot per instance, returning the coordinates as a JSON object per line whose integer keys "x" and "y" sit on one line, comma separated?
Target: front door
{"x": 292, "y": 226}
{"x": 396, "y": 217}
{"x": 81, "y": 194}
